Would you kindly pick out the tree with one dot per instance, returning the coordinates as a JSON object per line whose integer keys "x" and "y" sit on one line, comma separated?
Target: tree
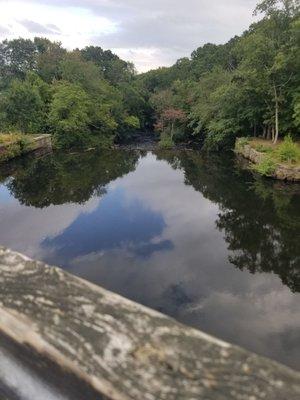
{"x": 272, "y": 7}
{"x": 246, "y": 86}
{"x": 269, "y": 47}
{"x": 76, "y": 70}
{"x": 17, "y": 57}
{"x": 69, "y": 114}
{"x": 50, "y": 55}
{"x": 297, "y": 110}
{"x": 113, "y": 68}
{"x": 168, "y": 120}
{"x": 24, "y": 104}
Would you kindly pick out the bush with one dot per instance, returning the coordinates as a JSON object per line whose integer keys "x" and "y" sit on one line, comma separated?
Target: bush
{"x": 132, "y": 122}
{"x": 219, "y": 141}
{"x": 166, "y": 142}
{"x": 24, "y": 143}
{"x": 288, "y": 150}
{"x": 266, "y": 167}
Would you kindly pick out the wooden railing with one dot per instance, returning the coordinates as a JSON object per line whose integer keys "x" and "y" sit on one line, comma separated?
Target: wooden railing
{"x": 64, "y": 338}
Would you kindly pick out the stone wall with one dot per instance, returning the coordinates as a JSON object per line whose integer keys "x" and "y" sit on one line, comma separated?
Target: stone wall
{"x": 282, "y": 171}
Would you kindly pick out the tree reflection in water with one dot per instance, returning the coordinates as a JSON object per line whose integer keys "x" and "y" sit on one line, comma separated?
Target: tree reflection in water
{"x": 68, "y": 178}
{"x": 260, "y": 218}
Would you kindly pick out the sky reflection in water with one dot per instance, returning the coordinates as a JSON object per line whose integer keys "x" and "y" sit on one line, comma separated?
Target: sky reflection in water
{"x": 197, "y": 239}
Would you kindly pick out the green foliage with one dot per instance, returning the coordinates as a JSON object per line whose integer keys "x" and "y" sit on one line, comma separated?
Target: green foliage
{"x": 114, "y": 69}
{"x": 249, "y": 85}
{"x": 266, "y": 167}
{"x": 132, "y": 122}
{"x": 216, "y": 141}
{"x": 237, "y": 88}
{"x": 288, "y": 150}
{"x": 69, "y": 114}
{"x": 166, "y": 142}
{"x": 49, "y": 58}
{"x": 16, "y": 144}
{"x": 22, "y": 105}
{"x": 11, "y": 151}
{"x": 24, "y": 143}
{"x": 17, "y": 57}
{"x": 263, "y": 149}
{"x": 86, "y": 98}
{"x": 84, "y": 73}
{"x": 296, "y": 114}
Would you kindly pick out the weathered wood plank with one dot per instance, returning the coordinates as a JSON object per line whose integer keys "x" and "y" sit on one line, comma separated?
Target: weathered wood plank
{"x": 121, "y": 349}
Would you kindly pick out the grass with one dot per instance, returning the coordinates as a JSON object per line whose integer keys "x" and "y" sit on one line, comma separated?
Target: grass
{"x": 284, "y": 152}
{"x": 10, "y": 138}
{"x": 288, "y": 151}
{"x": 266, "y": 167}
{"x": 15, "y": 137}
{"x": 15, "y": 145}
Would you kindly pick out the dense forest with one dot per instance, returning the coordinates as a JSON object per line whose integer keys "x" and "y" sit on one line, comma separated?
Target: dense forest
{"x": 249, "y": 86}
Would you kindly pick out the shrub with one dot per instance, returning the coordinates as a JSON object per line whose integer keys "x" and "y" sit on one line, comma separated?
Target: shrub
{"x": 218, "y": 141}
{"x": 132, "y": 122}
{"x": 288, "y": 150}
{"x": 166, "y": 142}
{"x": 24, "y": 143}
{"x": 266, "y": 167}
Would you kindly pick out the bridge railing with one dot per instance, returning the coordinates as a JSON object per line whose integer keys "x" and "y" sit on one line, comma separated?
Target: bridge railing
{"x": 64, "y": 338}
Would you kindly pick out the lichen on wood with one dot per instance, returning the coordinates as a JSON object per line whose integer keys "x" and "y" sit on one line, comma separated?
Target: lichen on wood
{"x": 123, "y": 350}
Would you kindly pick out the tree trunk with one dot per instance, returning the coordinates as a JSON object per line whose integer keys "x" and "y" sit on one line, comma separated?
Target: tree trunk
{"x": 268, "y": 132}
{"x": 265, "y": 132}
{"x": 172, "y": 128}
{"x": 276, "y": 116}
{"x": 273, "y": 133}
{"x": 254, "y": 130}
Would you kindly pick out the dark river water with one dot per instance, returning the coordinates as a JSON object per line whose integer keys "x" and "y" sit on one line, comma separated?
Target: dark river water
{"x": 196, "y": 237}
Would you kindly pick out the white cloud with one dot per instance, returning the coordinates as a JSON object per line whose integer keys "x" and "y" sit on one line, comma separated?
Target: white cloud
{"x": 149, "y": 33}
{"x": 74, "y": 26}
{"x": 43, "y": 223}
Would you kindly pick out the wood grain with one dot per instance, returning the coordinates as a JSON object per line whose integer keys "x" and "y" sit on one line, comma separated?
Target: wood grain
{"x": 121, "y": 349}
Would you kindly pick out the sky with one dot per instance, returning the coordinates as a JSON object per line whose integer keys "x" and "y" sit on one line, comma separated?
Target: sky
{"x": 149, "y": 33}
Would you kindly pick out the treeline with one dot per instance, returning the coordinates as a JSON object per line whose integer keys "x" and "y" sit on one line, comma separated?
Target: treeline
{"x": 83, "y": 97}
{"x": 248, "y": 86}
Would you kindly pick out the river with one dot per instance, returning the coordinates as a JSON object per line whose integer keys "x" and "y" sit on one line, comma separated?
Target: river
{"x": 194, "y": 236}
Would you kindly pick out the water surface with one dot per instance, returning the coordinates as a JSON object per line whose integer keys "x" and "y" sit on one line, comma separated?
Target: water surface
{"x": 193, "y": 236}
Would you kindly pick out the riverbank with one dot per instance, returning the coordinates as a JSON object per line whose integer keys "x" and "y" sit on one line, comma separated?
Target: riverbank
{"x": 16, "y": 145}
{"x": 279, "y": 161}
